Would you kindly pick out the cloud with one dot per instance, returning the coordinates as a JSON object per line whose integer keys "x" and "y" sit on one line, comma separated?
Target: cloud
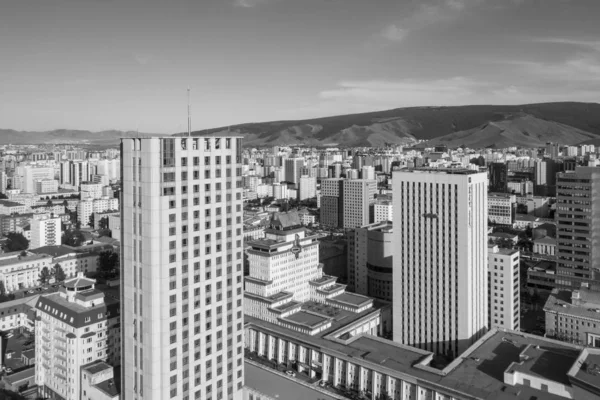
{"x": 248, "y": 3}
{"x": 394, "y": 33}
{"x": 588, "y": 44}
{"x": 142, "y": 59}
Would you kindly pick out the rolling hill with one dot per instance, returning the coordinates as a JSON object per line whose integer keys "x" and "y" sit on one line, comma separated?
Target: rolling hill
{"x": 66, "y": 136}
{"x": 528, "y": 125}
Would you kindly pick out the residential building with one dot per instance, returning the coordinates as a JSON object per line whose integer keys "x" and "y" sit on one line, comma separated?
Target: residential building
{"x": 574, "y": 316}
{"x": 503, "y": 288}
{"x": 293, "y": 168}
{"x": 86, "y": 208}
{"x": 383, "y": 210}
{"x": 578, "y": 224}
{"x": 90, "y": 190}
{"x": 182, "y": 255}
{"x": 46, "y": 186}
{"x": 440, "y": 251}
{"x": 19, "y": 271}
{"x": 370, "y": 266}
{"x": 16, "y": 314}
{"x": 502, "y": 208}
{"x": 8, "y": 207}
{"x": 3, "y": 181}
{"x": 27, "y": 176}
{"x": 98, "y": 382}
{"x": 307, "y": 187}
{"x": 45, "y": 231}
{"x": 76, "y": 326}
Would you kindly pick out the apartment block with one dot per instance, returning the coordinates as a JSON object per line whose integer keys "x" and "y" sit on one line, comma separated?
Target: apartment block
{"x": 383, "y": 210}
{"x": 74, "y": 327}
{"x": 502, "y": 208}
{"x": 357, "y": 202}
{"x": 181, "y": 277}
{"x": 45, "y": 231}
{"x": 504, "y": 288}
{"x": 440, "y": 253}
{"x": 331, "y": 202}
{"x": 86, "y": 208}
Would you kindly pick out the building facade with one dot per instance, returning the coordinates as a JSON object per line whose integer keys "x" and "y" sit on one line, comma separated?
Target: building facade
{"x": 358, "y": 197}
{"x": 181, "y": 280}
{"x": 441, "y": 253}
{"x": 45, "y": 231}
{"x": 502, "y": 208}
{"x": 504, "y": 288}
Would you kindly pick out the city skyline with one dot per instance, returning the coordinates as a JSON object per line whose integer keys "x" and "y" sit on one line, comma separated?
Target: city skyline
{"x": 126, "y": 65}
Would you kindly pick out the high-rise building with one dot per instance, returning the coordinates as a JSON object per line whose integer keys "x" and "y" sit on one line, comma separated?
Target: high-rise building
{"x": 383, "y": 210}
{"x": 3, "y": 182}
{"x": 440, "y": 255}
{"x": 76, "y": 326}
{"x": 503, "y": 288}
{"x": 578, "y": 224}
{"x": 331, "y": 202}
{"x": 181, "y": 279}
{"x": 307, "y": 188}
{"x": 45, "y": 231}
{"x": 502, "y": 208}
{"x": 293, "y": 168}
{"x": 357, "y": 202}
{"x": 370, "y": 249}
{"x": 498, "y": 177}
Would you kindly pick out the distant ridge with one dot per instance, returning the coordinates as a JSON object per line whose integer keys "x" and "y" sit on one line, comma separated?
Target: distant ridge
{"x": 67, "y": 136}
{"x": 527, "y": 125}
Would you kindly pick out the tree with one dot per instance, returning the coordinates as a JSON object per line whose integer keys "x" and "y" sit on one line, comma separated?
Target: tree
{"x": 91, "y": 220}
{"x": 108, "y": 261}
{"x": 15, "y": 242}
{"x": 49, "y": 203}
{"x": 58, "y": 273}
{"x": 65, "y": 203}
{"x": 73, "y": 238}
{"x": 3, "y": 196}
{"x": 44, "y": 276}
{"x": 103, "y": 223}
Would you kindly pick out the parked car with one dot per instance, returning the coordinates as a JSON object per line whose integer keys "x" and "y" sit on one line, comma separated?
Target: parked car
{"x": 290, "y": 373}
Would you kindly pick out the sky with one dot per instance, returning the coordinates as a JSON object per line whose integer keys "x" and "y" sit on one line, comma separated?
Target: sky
{"x": 127, "y": 64}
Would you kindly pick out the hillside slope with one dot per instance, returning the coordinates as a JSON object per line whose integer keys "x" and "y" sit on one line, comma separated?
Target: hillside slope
{"x": 65, "y": 136}
{"x": 567, "y": 122}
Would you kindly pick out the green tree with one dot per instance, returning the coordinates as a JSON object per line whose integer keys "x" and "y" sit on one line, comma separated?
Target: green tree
{"x": 15, "y": 242}
{"x": 91, "y": 220}
{"x": 73, "y": 238}
{"x": 103, "y": 223}
{"x": 58, "y": 273}
{"x": 3, "y": 196}
{"x": 49, "y": 203}
{"x": 65, "y": 203}
{"x": 44, "y": 276}
{"x": 108, "y": 261}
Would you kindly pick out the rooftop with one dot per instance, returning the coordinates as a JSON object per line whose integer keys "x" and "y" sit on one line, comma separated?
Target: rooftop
{"x": 560, "y": 302}
{"x": 97, "y": 366}
{"x": 16, "y": 258}
{"x": 352, "y": 298}
{"x": 79, "y": 282}
{"x": 309, "y": 319}
{"x": 589, "y": 369}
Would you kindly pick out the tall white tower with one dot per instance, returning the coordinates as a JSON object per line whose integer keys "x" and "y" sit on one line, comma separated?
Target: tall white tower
{"x": 181, "y": 282}
{"x": 440, "y": 258}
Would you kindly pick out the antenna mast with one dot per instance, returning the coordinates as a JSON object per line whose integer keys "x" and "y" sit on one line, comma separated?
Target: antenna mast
{"x": 189, "y": 114}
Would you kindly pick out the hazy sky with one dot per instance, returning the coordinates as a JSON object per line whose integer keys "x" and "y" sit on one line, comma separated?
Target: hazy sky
{"x": 126, "y": 64}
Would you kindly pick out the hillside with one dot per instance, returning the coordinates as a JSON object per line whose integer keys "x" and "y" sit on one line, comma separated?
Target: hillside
{"x": 520, "y": 125}
{"x": 65, "y": 136}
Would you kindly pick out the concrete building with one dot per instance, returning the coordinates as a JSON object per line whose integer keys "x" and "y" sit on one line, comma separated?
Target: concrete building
{"x": 22, "y": 271}
{"x": 76, "y": 326}
{"x": 28, "y": 175}
{"x": 45, "y": 231}
{"x": 358, "y": 198}
{"x": 383, "y": 210}
{"x": 578, "y": 225}
{"x": 331, "y": 202}
{"x": 545, "y": 246}
{"x": 502, "y": 208}
{"x": 574, "y": 316}
{"x": 440, "y": 250}
{"x": 3, "y": 181}
{"x": 90, "y": 190}
{"x": 307, "y": 187}
{"x": 370, "y": 266}
{"x": 8, "y": 207}
{"x": 182, "y": 254}
{"x": 46, "y": 186}
{"x": 504, "y": 285}
{"x": 293, "y": 168}
{"x": 98, "y": 382}
{"x": 86, "y": 208}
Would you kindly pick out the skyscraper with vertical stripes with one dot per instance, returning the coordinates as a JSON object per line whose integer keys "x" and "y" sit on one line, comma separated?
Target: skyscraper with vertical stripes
{"x": 181, "y": 278}
{"x": 440, "y": 299}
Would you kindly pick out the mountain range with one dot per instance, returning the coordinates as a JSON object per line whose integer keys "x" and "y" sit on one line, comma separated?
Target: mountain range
{"x": 528, "y": 125}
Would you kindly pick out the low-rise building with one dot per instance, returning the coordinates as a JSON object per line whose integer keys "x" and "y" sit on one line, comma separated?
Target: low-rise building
{"x": 502, "y": 208}
{"x": 8, "y": 207}
{"x": 574, "y": 316}
{"x": 99, "y": 382}
{"x": 20, "y": 270}
{"x": 545, "y": 246}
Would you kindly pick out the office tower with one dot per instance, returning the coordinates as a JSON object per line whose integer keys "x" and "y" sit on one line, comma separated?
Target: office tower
{"x": 552, "y": 150}
{"x": 440, "y": 255}
{"x": 358, "y": 197}
{"x": 292, "y": 170}
{"x": 570, "y": 151}
{"x": 503, "y": 288}
{"x": 307, "y": 187}
{"x": 498, "y": 177}
{"x": 367, "y": 172}
{"x": 110, "y": 168}
{"x": 578, "y": 223}
{"x": 309, "y": 171}
{"x": 370, "y": 249}
{"x": 335, "y": 170}
{"x": 45, "y": 231}
{"x": 352, "y": 173}
{"x": 383, "y": 210}
{"x": 331, "y": 202}
{"x": 75, "y": 327}
{"x": 181, "y": 280}
{"x": 3, "y": 182}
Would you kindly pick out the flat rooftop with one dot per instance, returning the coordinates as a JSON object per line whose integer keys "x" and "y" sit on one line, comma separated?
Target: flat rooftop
{"x": 306, "y": 318}
{"x": 352, "y": 298}
{"x": 589, "y": 371}
{"x": 18, "y": 259}
{"x": 274, "y": 386}
{"x": 547, "y": 363}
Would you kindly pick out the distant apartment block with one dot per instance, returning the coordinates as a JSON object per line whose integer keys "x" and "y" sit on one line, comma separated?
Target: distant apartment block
{"x": 504, "y": 288}
{"x": 383, "y": 210}
{"x": 502, "y": 208}
{"x": 46, "y": 186}
{"x": 45, "y": 231}
{"x": 86, "y": 208}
